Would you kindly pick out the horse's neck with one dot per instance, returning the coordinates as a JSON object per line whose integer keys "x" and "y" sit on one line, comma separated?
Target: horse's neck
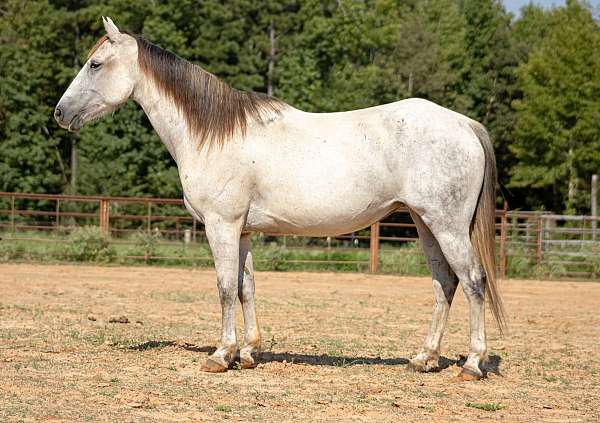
{"x": 168, "y": 123}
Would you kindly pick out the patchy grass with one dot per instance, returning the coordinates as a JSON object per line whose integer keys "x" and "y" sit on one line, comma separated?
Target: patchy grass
{"x": 486, "y": 406}
{"x": 89, "y": 245}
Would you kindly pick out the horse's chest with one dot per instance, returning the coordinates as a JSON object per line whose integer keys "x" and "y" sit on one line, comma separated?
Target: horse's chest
{"x": 211, "y": 193}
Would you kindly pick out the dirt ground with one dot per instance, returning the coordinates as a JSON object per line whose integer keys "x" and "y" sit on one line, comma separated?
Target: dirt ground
{"x": 336, "y": 350}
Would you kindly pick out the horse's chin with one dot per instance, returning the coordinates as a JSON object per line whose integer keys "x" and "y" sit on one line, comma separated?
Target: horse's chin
{"x": 75, "y": 125}
{"x": 82, "y": 119}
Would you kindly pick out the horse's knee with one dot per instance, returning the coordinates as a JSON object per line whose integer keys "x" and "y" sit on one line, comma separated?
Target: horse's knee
{"x": 245, "y": 285}
{"x": 474, "y": 289}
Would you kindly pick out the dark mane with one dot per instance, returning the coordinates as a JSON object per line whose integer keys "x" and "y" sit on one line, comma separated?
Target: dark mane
{"x": 214, "y": 110}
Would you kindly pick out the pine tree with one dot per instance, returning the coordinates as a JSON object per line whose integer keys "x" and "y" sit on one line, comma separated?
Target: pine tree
{"x": 557, "y": 134}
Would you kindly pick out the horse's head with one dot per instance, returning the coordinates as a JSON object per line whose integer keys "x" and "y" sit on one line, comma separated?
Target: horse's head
{"x": 104, "y": 83}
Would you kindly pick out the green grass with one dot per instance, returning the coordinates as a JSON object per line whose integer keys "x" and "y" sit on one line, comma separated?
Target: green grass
{"x": 87, "y": 244}
{"x": 486, "y": 406}
{"x": 300, "y": 254}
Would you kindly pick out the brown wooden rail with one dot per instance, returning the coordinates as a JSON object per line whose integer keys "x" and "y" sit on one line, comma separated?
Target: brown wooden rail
{"x": 523, "y": 235}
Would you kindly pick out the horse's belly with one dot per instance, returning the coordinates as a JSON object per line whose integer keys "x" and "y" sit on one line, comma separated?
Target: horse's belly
{"x": 325, "y": 188}
{"x": 317, "y": 219}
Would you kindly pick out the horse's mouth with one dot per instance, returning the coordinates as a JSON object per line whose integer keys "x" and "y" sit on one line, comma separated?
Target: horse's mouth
{"x": 89, "y": 114}
{"x": 76, "y": 124}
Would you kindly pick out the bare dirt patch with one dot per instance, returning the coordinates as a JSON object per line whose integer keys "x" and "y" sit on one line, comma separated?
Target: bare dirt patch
{"x": 336, "y": 349}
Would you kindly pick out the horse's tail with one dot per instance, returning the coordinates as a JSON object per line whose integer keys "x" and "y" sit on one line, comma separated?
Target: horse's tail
{"x": 483, "y": 231}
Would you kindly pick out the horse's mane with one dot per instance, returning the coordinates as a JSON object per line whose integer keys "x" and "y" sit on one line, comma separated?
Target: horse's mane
{"x": 213, "y": 110}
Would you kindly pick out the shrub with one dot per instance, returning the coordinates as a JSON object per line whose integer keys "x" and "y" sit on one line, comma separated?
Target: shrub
{"x": 89, "y": 243}
{"x": 146, "y": 242}
{"x": 11, "y": 251}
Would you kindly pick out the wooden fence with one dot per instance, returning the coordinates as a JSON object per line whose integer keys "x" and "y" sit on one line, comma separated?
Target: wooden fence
{"x": 529, "y": 243}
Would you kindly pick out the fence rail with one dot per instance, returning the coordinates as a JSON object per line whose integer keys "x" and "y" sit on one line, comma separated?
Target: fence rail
{"x": 531, "y": 243}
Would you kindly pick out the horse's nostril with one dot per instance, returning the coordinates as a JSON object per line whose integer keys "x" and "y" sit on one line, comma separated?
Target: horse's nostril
{"x": 57, "y": 113}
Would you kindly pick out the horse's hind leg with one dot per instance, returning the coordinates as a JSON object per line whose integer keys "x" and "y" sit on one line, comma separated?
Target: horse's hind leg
{"x": 460, "y": 254}
{"x": 246, "y": 295}
{"x": 444, "y": 286}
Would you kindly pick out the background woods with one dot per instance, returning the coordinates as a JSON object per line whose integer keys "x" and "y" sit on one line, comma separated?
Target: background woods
{"x": 534, "y": 81}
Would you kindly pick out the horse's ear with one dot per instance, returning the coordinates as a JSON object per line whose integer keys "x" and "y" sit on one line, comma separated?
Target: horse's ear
{"x": 112, "y": 31}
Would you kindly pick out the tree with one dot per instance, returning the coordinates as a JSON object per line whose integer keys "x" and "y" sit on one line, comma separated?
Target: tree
{"x": 31, "y": 158}
{"x": 557, "y": 134}
{"x": 427, "y": 58}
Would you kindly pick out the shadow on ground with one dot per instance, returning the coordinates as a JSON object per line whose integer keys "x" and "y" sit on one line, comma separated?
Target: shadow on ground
{"x": 328, "y": 360}
{"x": 149, "y": 345}
{"x": 491, "y": 366}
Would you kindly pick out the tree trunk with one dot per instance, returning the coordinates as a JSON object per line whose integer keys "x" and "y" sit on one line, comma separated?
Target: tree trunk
{"x": 271, "y": 59}
{"x": 74, "y": 137}
{"x": 572, "y": 190}
{"x": 73, "y": 183}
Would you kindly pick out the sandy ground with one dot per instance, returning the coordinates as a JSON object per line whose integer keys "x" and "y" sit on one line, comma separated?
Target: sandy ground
{"x": 337, "y": 347}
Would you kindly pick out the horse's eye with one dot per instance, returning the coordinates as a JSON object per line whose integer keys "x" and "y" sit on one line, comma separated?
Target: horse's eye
{"x": 94, "y": 64}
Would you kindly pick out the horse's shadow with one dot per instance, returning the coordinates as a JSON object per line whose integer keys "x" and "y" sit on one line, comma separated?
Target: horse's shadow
{"x": 328, "y": 360}
{"x": 491, "y": 366}
{"x": 149, "y": 345}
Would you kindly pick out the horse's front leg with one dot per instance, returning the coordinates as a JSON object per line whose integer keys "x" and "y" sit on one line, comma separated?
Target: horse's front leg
{"x": 246, "y": 294}
{"x": 224, "y": 240}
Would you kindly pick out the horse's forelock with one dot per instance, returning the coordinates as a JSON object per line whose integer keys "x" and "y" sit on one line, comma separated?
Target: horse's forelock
{"x": 97, "y": 46}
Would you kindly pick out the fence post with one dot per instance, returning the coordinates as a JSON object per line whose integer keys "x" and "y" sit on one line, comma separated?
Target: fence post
{"x": 57, "y": 216}
{"x": 503, "y": 240}
{"x": 374, "y": 247}
{"x": 12, "y": 213}
{"x": 193, "y": 229}
{"x": 594, "y": 205}
{"x": 538, "y": 242}
{"x": 104, "y": 215}
{"x": 149, "y": 228}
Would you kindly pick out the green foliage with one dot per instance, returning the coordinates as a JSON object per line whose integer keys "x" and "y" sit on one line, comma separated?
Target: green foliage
{"x": 12, "y": 252}
{"x": 557, "y": 134}
{"x": 486, "y": 406}
{"x": 89, "y": 243}
{"x": 489, "y": 83}
{"x": 146, "y": 242}
{"x": 322, "y": 56}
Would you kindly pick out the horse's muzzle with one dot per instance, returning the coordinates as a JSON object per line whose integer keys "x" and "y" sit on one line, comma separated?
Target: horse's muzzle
{"x": 66, "y": 120}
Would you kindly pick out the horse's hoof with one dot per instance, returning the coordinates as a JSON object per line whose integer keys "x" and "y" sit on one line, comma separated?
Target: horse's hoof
{"x": 421, "y": 366}
{"x": 468, "y": 375}
{"x": 416, "y": 366}
{"x": 247, "y": 363}
{"x": 211, "y": 366}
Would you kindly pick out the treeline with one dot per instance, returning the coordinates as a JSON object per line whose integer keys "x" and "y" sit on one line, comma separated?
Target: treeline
{"x": 533, "y": 81}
